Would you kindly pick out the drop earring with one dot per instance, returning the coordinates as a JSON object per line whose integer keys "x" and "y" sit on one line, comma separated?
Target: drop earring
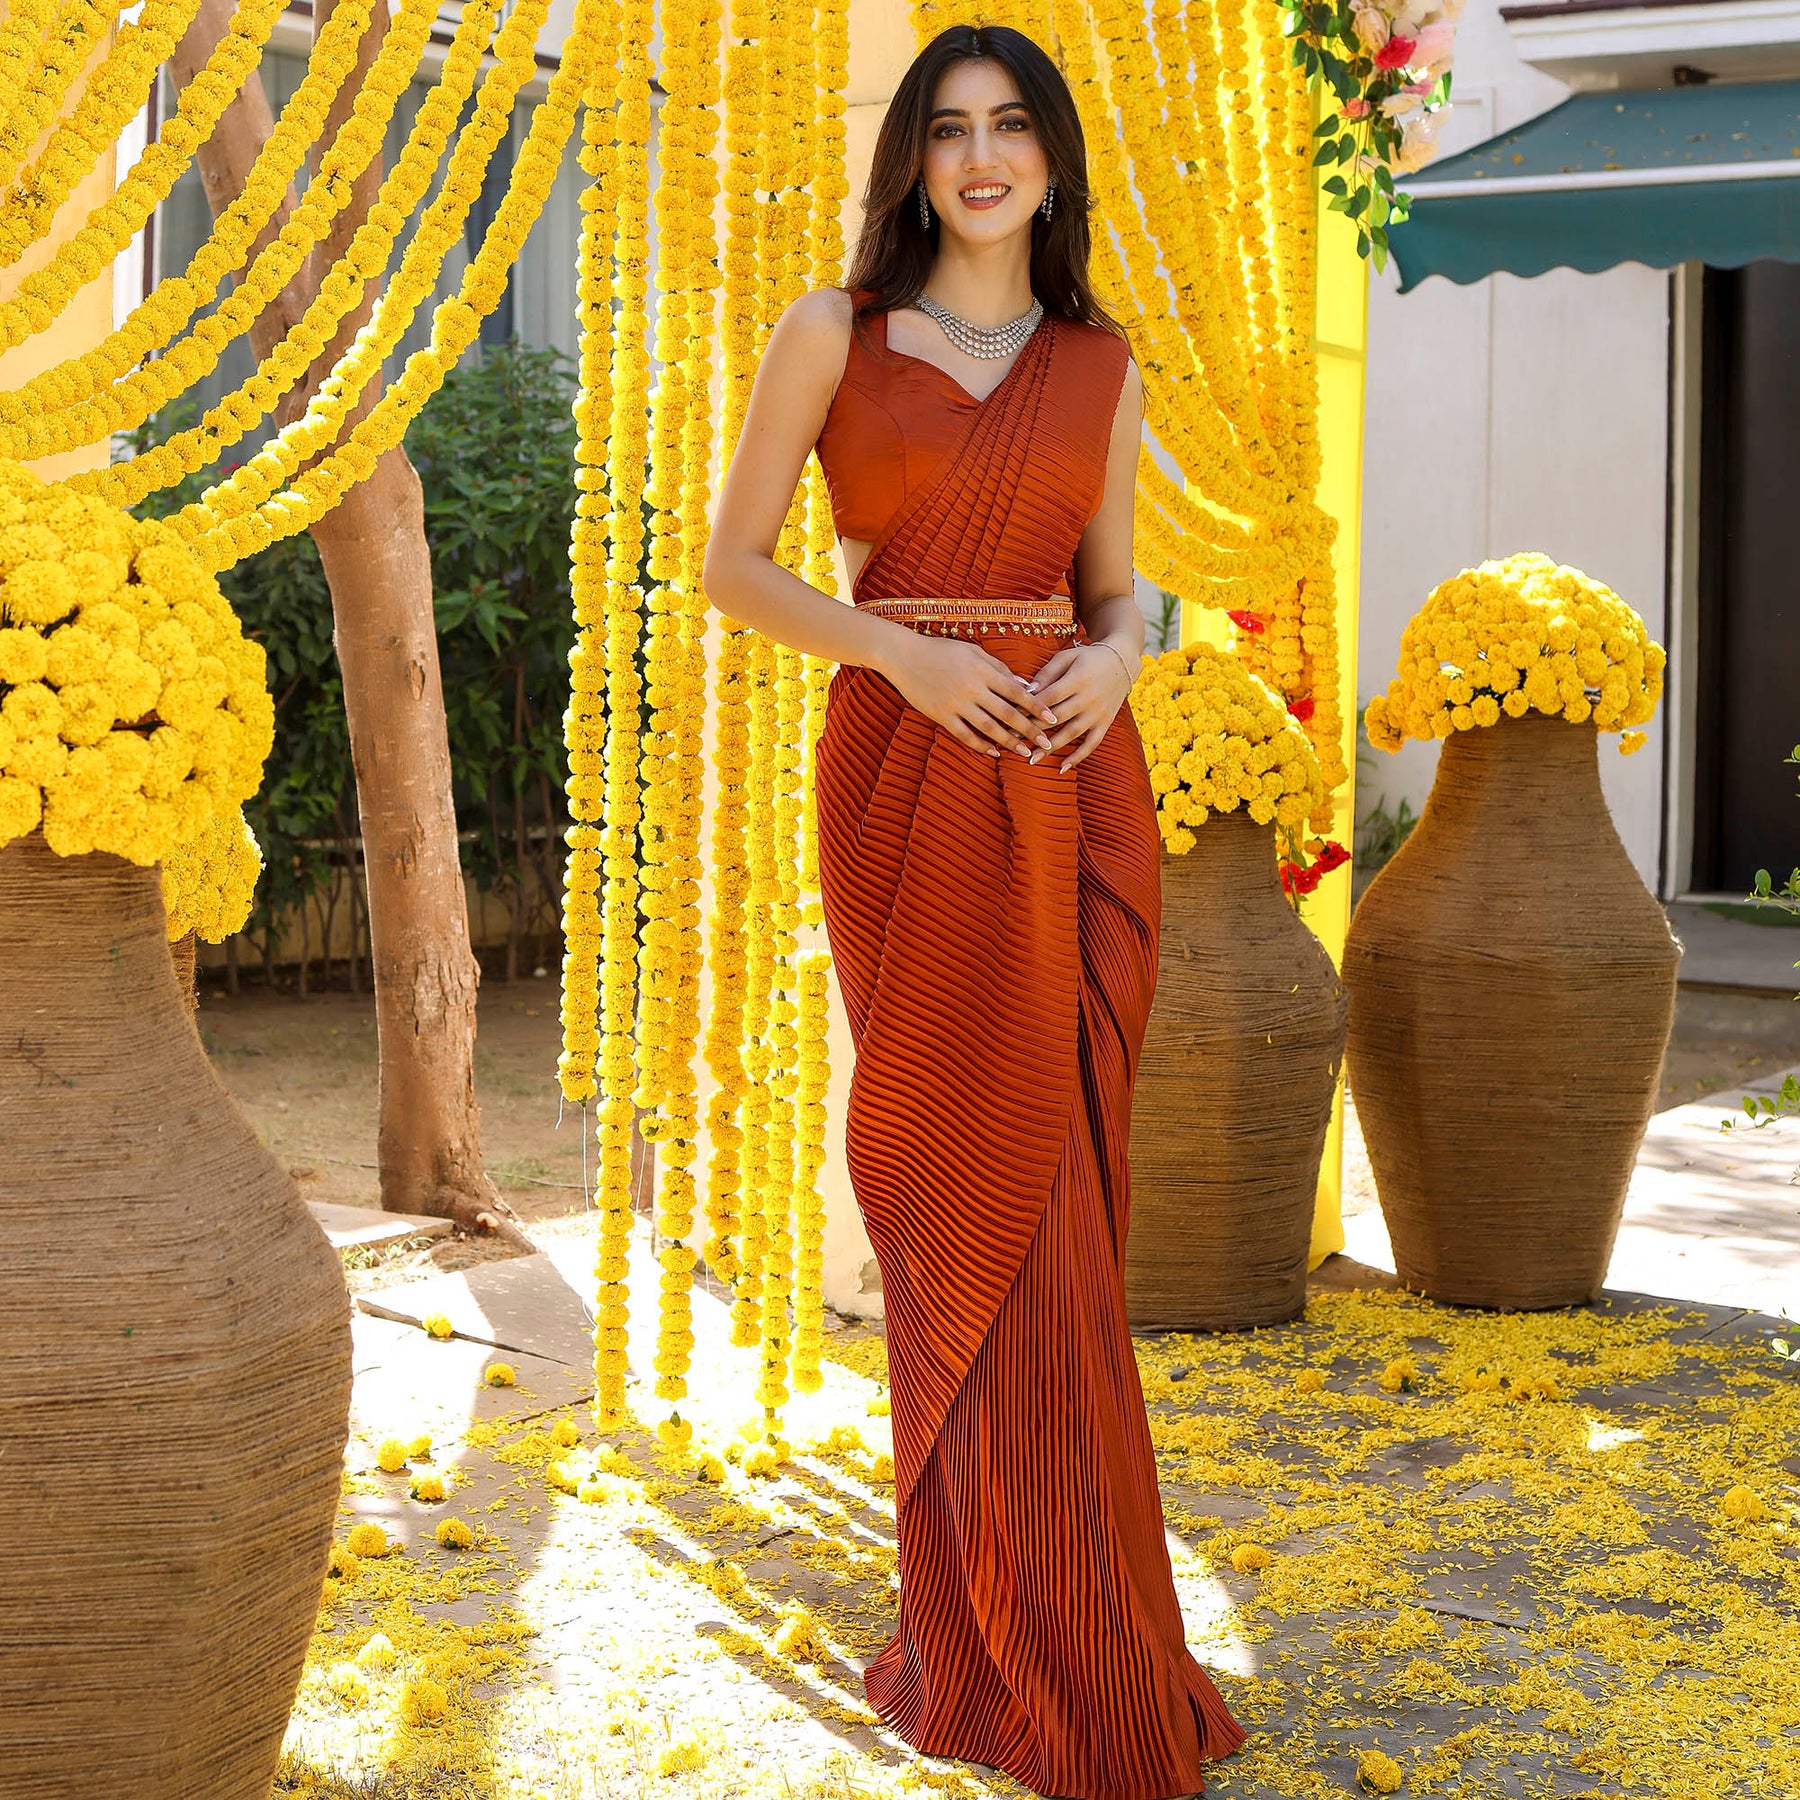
{"x": 924, "y": 206}
{"x": 1049, "y": 195}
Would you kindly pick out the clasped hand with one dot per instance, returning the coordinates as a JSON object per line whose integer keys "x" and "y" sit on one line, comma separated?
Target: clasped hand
{"x": 985, "y": 705}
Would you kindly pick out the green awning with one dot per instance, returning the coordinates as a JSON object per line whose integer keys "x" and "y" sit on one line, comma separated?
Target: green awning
{"x": 1709, "y": 173}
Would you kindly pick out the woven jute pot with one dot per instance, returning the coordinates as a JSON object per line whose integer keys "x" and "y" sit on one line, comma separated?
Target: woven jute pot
{"x": 1512, "y": 988}
{"x": 174, "y": 1370}
{"x": 1233, "y": 1092}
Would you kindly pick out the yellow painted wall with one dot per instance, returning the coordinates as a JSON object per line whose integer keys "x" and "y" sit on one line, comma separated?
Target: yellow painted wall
{"x": 89, "y": 315}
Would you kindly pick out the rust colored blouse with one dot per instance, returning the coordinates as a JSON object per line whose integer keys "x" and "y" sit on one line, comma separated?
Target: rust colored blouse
{"x": 890, "y": 422}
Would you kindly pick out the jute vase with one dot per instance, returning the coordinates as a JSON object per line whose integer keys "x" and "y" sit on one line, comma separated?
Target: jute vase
{"x": 174, "y": 1370}
{"x": 1512, "y": 988}
{"x": 1233, "y": 1093}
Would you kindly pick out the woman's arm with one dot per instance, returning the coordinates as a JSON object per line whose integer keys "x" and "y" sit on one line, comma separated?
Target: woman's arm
{"x": 789, "y": 399}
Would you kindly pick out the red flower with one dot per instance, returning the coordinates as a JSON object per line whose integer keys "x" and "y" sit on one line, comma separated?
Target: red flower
{"x": 1395, "y": 53}
{"x": 1302, "y": 709}
{"x": 1302, "y": 879}
{"x": 1254, "y": 623}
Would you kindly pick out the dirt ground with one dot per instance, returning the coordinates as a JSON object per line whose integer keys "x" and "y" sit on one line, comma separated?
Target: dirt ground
{"x": 304, "y": 1072}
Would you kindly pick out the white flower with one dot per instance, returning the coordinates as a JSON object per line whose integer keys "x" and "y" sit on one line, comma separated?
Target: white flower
{"x": 1418, "y": 141}
{"x": 1371, "y": 26}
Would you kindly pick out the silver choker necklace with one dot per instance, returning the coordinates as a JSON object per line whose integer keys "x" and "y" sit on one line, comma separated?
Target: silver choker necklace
{"x": 982, "y": 340}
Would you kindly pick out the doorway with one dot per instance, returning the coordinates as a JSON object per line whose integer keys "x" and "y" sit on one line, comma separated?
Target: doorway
{"x": 1747, "y": 698}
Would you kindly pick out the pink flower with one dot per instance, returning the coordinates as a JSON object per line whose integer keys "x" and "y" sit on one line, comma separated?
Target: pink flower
{"x": 1396, "y": 53}
{"x": 1356, "y": 109}
{"x": 1432, "y": 48}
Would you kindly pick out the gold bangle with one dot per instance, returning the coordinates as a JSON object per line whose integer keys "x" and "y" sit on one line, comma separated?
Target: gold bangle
{"x": 1120, "y": 654}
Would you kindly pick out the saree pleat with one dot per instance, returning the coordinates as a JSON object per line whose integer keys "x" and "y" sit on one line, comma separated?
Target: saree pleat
{"x": 994, "y": 928}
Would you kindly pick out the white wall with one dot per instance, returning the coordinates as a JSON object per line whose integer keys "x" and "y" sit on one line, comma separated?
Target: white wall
{"x": 1514, "y": 415}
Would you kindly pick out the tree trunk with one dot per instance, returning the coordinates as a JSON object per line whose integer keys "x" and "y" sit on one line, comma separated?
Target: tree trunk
{"x": 372, "y": 545}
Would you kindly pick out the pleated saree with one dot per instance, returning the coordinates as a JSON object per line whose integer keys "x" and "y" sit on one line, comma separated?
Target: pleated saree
{"x": 994, "y": 929}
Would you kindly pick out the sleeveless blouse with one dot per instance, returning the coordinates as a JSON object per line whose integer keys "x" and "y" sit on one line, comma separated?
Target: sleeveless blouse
{"x": 895, "y": 416}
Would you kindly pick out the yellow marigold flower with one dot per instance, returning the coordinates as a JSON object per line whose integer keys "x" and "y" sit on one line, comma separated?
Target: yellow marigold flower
{"x": 565, "y": 1434}
{"x": 349, "y": 1687}
{"x": 1744, "y": 1503}
{"x": 759, "y": 1459}
{"x": 1630, "y": 742}
{"x": 881, "y": 1470}
{"x": 1400, "y": 1376}
{"x": 368, "y": 1539}
{"x": 390, "y": 1456}
{"x": 1248, "y": 1558}
{"x": 343, "y": 1562}
{"x": 1309, "y": 1381}
{"x": 683, "y": 1757}
{"x": 710, "y": 1468}
{"x": 424, "y": 1702}
{"x": 418, "y": 1448}
{"x": 879, "y": 1407}
{"x": 1378, "y": 1772}
{"x": 454, "y": 1534}
{"x": 563, "y": 1476}
{"x": 427, "y": 1484}
{"x": 438, "y": 1325}
{"x": 377, "y": 1653}
{"x": 1513, "y": 635}
{"x": 498, "y": 1374}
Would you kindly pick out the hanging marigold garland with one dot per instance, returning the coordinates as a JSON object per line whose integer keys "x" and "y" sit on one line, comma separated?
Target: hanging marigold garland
{"x": 1200, "y": 163}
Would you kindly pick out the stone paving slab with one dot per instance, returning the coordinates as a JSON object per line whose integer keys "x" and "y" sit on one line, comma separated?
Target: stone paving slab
{"x": 527, "y": 1304}
{"x": 350, "y": 1226}
{"x": 1735, "y": 953}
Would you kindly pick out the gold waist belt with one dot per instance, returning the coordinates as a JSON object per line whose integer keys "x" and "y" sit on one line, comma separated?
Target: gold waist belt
{"x": 966, "y": 618}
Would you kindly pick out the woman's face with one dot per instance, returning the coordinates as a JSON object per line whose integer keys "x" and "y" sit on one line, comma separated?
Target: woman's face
{"x": 981, "y": 137}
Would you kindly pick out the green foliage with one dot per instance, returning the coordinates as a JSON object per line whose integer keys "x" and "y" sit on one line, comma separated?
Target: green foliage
{"x": 1379, "y": 832}
{"x": 1329, "y": 53}
{"x": 1165, "y": 633}
{"x": 495, "y": 454}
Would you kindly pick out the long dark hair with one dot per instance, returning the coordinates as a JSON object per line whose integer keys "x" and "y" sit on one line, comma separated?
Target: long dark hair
{"x": 894, "y": 252}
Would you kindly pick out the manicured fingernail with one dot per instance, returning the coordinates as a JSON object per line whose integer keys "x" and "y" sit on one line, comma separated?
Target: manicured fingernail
{"x": 1034, "y": 757}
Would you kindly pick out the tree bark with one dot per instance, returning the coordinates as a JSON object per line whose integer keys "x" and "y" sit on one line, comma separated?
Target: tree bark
{"x": 372, "y": 545}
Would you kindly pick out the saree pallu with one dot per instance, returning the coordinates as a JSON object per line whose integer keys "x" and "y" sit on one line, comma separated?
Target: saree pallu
{"x": 994, "y": 929}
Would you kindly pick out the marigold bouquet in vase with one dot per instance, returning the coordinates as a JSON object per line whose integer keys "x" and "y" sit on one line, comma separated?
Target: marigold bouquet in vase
{"x": 173, "y": 1323}
{"x": 1503, "y": 1132}
{"x": 1240, "y": 1058}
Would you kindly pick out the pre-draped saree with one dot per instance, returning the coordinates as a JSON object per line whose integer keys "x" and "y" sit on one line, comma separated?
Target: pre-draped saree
{"x": 994, "y": 929}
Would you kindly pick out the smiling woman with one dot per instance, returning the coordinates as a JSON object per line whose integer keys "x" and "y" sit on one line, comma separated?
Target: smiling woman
{"x": 989, "y": 871}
